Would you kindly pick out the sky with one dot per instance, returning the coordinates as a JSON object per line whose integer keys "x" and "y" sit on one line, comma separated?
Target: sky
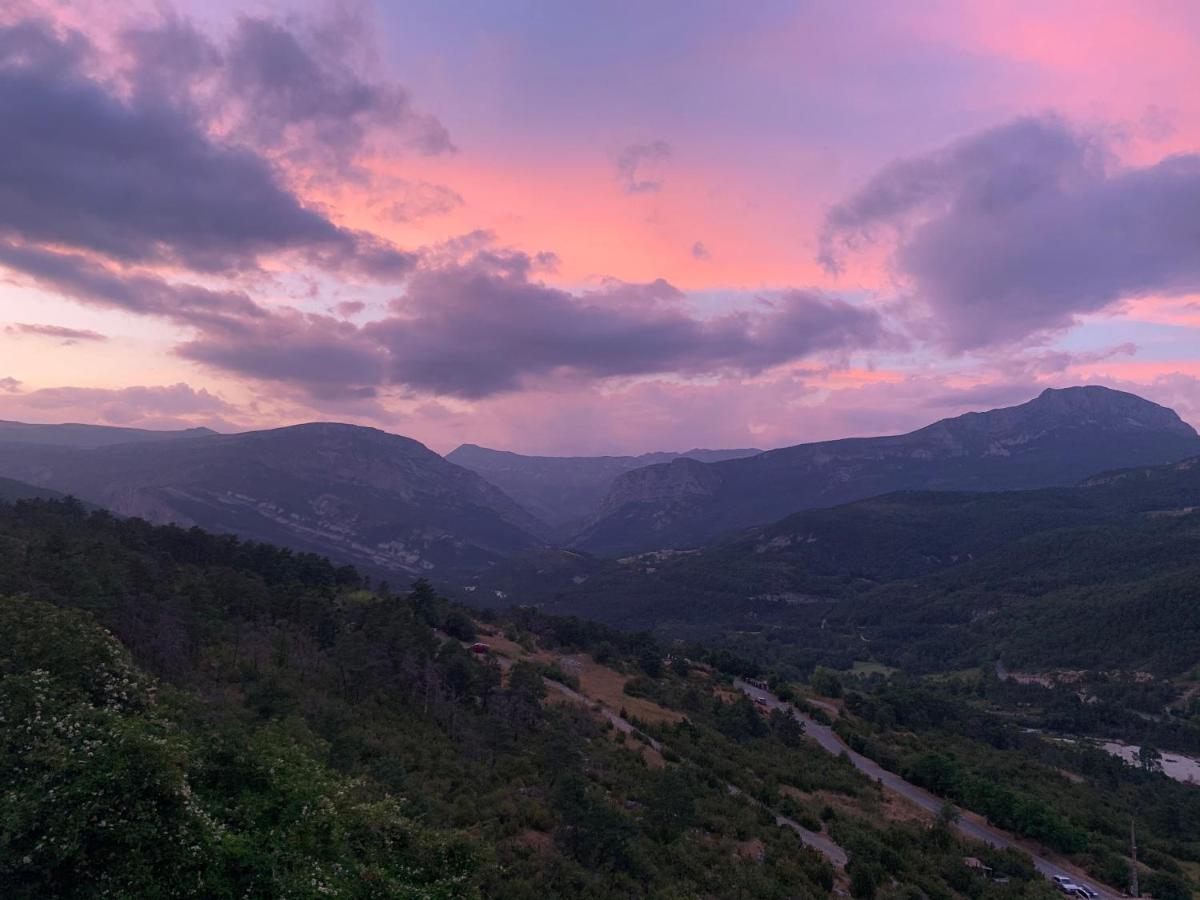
{"x": 594, "y": 227}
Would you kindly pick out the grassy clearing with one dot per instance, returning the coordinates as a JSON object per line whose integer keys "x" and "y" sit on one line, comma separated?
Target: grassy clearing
{"x": 608, "y": 686}
{"x": 865, "y": 668}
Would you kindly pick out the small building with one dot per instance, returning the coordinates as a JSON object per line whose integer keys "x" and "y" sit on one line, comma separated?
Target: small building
{"x": 479, "y": 647}
{"x": 973, "y": 862}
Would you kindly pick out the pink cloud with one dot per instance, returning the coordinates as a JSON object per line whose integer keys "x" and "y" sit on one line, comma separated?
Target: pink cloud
{"x": 166, "y": 406}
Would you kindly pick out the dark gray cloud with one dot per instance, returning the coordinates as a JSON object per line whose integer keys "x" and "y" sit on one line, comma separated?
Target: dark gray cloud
{"x": 483, "y": 327}
{"x": 633, "y": 162}
{"x": 58, "y": 332}
{"x": 1019, "y": 229}
{"x": 140, "y": 181}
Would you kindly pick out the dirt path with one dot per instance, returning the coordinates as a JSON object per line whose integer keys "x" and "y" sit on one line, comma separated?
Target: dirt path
{"x": 819, "y": 842}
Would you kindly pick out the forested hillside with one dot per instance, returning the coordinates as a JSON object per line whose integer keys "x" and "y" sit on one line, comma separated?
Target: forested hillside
{"x": 189, "y": 715}
{"x": 1099, "y": 576}
{"x": 1057, "y": 438}
{"x": 17, "y": 490}
{"x": 380, "y": 501}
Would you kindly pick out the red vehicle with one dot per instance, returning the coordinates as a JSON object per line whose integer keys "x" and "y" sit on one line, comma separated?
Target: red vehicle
{"x": 478, "y": 647}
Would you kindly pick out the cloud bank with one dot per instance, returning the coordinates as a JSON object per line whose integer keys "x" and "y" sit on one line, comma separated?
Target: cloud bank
{"x": 58, "y": 332}
{"x": 1018, "y": 230}
{"x": 139, "y": 181}
{"x": 484, "y": 326}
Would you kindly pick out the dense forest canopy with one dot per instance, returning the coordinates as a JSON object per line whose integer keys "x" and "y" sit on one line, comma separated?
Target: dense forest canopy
{"x": 1102, "y": 576}
{"x": 191, "y": 715}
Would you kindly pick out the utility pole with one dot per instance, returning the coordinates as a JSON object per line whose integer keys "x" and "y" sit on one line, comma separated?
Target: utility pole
{"x": 1133, "y": 882}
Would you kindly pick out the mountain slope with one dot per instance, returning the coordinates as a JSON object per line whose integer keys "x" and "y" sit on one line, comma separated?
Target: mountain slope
{"x": 17, "y": 490}
{"x": 1058, "y": 438}
{"x": 210, "y": 718}
{"x": 74, "y": 434}
{"x": 1101, "y": 575}
{"x": 561, "y": 490}
{"x": 361, "y": 495}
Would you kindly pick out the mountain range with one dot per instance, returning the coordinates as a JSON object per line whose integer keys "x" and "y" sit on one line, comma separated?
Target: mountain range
{"x": 11, "y": 491}
{"x": 566, "y": 491}
{"x": 75, "y": 434}
{"x": 359, "y": 495}
{"x": 1057, "y": 438}
{"x": 392, "y": 506}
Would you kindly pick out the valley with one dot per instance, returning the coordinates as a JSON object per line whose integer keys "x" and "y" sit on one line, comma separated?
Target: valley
{"x": 861, "y": 698}
{"x": 599, "y": 451}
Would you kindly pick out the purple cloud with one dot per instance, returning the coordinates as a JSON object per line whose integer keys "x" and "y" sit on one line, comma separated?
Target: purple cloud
{"x": 93, "y": 284}
{"x": 1017, "y": 230}
{"x": 10, "y": 385}
{"x": 349, "y": 308}
{"x": 411, "y": 201}
{"x": 58, "y": 332}
{"x": 305, "y": 90}
{"x": 635, "y": 159}
{"x": 140, "y": 181}
{"x": 175, "y": 399}
{"x": 329, "y": 358}
{"x": 482, "y": 327}
{"x": 699, "y": 251}
{"x": 161, "y": 406}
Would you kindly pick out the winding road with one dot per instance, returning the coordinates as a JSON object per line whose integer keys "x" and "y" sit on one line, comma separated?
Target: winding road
{"x": 969, "y": 824}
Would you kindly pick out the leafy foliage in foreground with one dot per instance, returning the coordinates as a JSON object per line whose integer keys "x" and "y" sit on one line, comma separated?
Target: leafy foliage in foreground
{"x": 102, "y": 793}
{"x": 188, "y": 715}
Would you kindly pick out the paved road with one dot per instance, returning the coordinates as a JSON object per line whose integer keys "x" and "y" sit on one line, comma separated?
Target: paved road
{"x": 967, "y": 825}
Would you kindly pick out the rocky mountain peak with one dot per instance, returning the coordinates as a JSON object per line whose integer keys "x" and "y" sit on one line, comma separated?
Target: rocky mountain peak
{"x": 1100, "y": 405}
{"x": 1057, "y": 438}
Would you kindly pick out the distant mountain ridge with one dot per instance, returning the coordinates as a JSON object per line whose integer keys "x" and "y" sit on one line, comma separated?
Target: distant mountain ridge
{"x": 566, "y": 490}
{"x": 11, "y": 491}
{"x": 390, "y": 505}
{"x": 1057, "y": 438}
{"x": 384, "y": 502}
{"x": 75, "y": 434}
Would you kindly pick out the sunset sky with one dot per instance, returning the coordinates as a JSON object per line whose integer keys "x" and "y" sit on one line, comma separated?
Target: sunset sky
{"x": 595, "y": 227}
